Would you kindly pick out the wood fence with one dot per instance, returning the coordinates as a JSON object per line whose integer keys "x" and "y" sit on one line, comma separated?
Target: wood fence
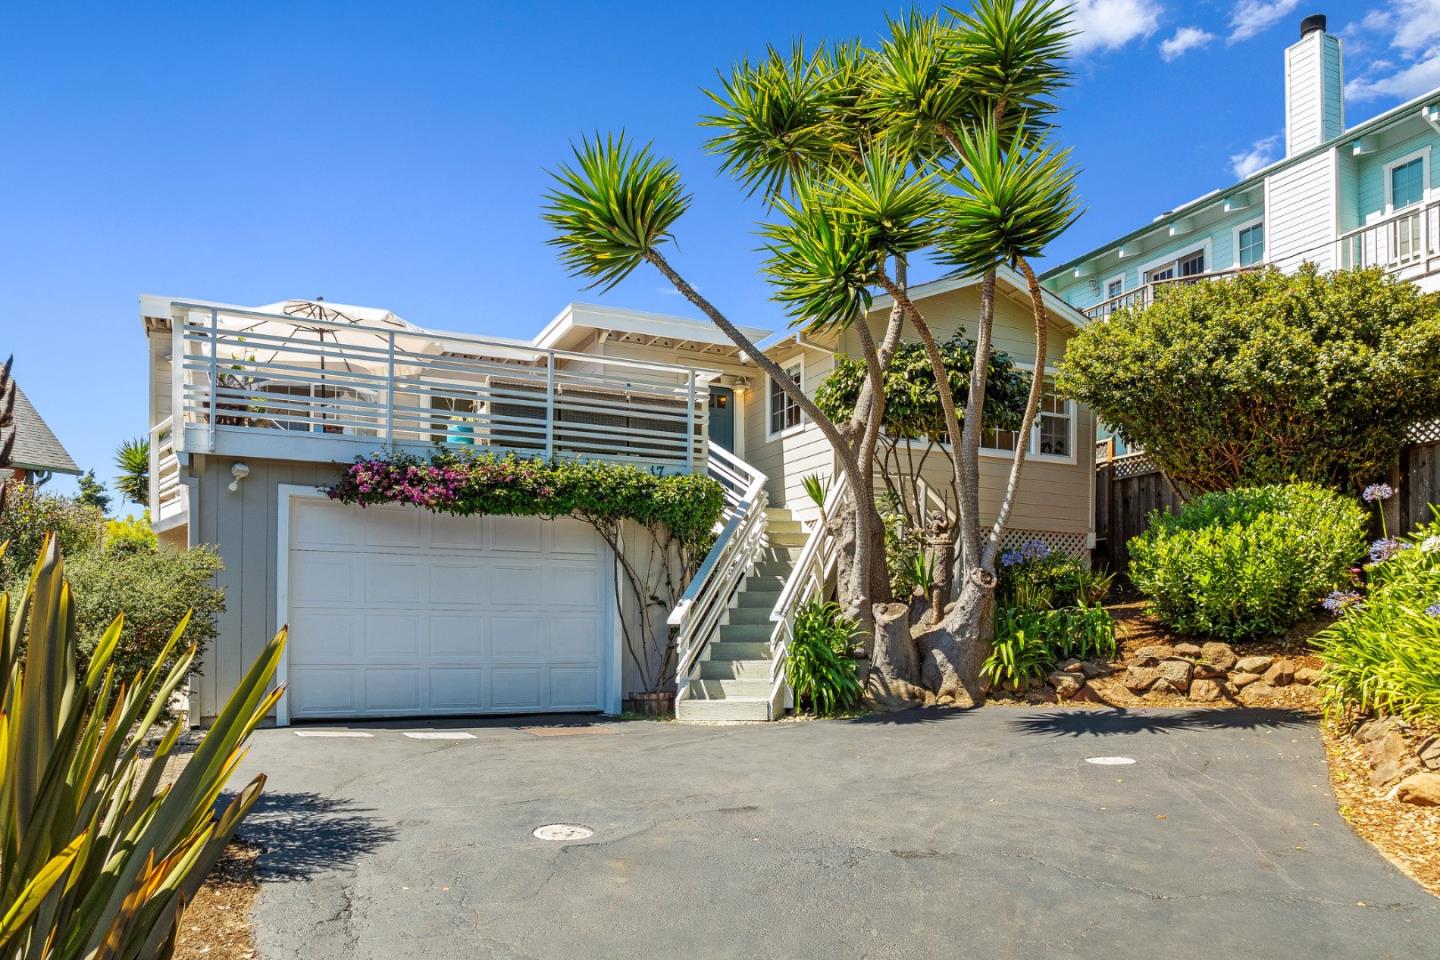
{"x": 1129, "y": 488}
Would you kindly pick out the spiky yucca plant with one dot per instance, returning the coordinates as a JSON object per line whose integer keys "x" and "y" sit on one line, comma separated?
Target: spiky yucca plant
{"x": 97, "y": 859}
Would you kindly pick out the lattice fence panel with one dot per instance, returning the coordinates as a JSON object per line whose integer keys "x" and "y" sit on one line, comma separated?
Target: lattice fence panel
{"x": 1062, "y": 541}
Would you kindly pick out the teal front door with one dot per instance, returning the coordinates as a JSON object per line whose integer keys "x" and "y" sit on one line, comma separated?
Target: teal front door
{"x": 722, "y": 417}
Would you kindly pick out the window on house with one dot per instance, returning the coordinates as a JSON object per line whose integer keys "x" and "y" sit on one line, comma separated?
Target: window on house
{"x": 1114, "y": 288}
{"x": 1050, "y": 436}
{"x": 1252, "y": 245}
{"x": 1192, "y": 264}
{"x": 1189, "y": 265}
{"x": 784, "y": 412}
{"x": 1407, "y": 183}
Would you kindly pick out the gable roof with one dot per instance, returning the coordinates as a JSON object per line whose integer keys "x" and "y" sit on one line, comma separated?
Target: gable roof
{"x": 1005, "y": 276}
{"x": 36, "y": 446}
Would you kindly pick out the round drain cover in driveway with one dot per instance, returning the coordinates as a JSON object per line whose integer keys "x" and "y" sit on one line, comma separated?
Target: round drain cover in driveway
{"x": 1110, "y": 761}
{"x": 563, "y": 831}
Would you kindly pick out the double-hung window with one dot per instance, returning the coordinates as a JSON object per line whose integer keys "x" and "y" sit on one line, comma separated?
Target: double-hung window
{"x": 1250, "y": 245}
{"x": 1053, "y": 434}
{"x": 1407, "y": 183}
{"x": 783, "y": 412}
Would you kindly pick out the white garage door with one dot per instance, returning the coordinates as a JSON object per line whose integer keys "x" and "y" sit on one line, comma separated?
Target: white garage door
{"x": 395, "y": 611}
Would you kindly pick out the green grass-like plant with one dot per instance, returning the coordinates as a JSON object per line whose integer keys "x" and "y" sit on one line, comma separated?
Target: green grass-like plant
{"x": 820, "y": 667}
{"x": 1383, "y": 653}
{"x": 1029, "y": 643}
{"x": 1248, "y": 562}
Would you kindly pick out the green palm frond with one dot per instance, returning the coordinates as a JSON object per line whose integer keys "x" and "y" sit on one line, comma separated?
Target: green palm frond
{"x": 918, "y": 82}
{"x": 776, "y": 117}
{"x": 821, "y": 260}
{"x": 132, "y": 459}
{"x": 1007, "y": 203}
{"x": 1013, "y": 53}
{"x": 612, "y": 207}
{"x": 894, "y": 204}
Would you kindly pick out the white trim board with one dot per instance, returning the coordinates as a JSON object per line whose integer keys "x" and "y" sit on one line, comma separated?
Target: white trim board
{"x": 1235, "y": 242}
{"x": 1423, "y": 155}
{"x": 770, "y": 386}
{"x": 1178, "y": 251}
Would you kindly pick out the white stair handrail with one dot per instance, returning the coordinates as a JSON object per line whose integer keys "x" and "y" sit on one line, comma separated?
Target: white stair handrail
{"x": 806, "y": 582}
{"x": 697, "y": 615}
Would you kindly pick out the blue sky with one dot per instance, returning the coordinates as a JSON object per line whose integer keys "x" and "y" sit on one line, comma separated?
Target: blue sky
{"x": 394, "y": 154}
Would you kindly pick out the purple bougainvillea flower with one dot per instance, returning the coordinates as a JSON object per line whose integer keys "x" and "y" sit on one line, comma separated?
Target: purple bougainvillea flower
{"x": 1378, "y": 491}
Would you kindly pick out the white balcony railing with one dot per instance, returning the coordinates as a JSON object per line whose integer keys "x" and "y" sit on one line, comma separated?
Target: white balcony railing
{"x": 1145, "y": 294}
{"x": 1407, "y": 243}
{"x": 256, "y": 384}
{"x": 167, "y": 493}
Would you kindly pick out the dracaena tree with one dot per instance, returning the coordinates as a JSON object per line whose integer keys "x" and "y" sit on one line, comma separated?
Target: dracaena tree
{"x": 867, "y": 157}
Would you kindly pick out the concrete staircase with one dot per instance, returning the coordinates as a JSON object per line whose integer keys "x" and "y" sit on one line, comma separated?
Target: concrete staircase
{"x": 731, "y": 681}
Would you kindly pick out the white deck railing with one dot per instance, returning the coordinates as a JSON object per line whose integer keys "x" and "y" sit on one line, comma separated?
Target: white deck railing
{"x": 697, "y": 616}
{"x": 1407, "y": 243}
{"x": 807, "y": 581}
{"x": 242, "y": 376}
{"x": 1145, "y": 294}
{"x": 167, "y": 493}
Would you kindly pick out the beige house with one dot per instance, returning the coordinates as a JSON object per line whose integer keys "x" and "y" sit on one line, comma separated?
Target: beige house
{"x": 396, "y": 611}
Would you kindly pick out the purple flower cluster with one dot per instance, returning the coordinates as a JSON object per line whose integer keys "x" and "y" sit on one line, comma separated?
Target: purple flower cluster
{"x": 422, "y": 485}
{"x": 1011, "y": 557}
{"x": 1382, "y": 550}
{"x": 1378, "y": 491}
{"x": 1341, "y": 600}
{"x": 1433, "y": 610}
{"x": 1035, "y": 550}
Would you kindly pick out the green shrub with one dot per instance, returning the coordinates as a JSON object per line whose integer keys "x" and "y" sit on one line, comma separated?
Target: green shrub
{"x": 1248, "y": 562}
{"x": 1018, "y": 660}
{"x": 1383, "y": 653}
{"x": 820, "y": 667}
{"x": 1034, "y": 577}
{"x": 29, "y": 515}
{"x": 1029, "y": 643}
{"x": 130, "y": 535}
{"x": 154, "y": 589}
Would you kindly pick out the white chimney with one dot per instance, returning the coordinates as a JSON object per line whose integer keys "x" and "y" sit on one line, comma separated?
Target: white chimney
{"x": 1314, "y": 88}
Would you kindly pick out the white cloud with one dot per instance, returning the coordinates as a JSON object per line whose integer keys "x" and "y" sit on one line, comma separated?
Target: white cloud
{"x": 1251, "y": 17}
{"x": 1261, "y": 154}
{"x": 1417, "y": 78}
{"x": 1412, "y": 29}
{"x": 1186, "y": 38}
{"x": 1109, "y": 24}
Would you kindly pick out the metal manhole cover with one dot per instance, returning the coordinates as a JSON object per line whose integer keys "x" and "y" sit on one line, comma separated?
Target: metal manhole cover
{"x": 563, "y": 831}
{"x": 1111, "y": 761}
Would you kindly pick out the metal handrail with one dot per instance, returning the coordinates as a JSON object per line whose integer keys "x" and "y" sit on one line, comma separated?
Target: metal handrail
{"x": 1145, "y": 294}
{"x": 806, "y": 582}
{"x": 737, "y": 547}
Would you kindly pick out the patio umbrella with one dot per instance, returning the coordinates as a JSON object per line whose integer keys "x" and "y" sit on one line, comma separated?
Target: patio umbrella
{"x": 365, "y": 319}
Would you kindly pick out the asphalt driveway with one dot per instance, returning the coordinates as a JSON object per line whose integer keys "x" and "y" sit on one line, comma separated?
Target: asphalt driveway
{"x": 984, "y": 834}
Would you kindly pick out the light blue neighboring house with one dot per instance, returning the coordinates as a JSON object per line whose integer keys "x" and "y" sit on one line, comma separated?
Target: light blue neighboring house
{"x": 1340, "y": 198}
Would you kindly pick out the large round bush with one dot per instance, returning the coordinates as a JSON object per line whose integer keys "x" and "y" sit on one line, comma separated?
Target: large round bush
{"x": 1247, "y": 562}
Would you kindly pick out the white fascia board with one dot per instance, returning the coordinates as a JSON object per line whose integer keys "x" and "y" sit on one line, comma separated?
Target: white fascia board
{"x": 1056, "y": 306}
{"x": 623, "y": 320}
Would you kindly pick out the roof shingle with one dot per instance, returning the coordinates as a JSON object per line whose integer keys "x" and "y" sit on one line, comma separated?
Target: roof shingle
{"x": 36, "y": 446}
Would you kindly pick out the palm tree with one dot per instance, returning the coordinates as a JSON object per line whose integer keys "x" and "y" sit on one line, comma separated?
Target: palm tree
{"x": 132, "y": 459}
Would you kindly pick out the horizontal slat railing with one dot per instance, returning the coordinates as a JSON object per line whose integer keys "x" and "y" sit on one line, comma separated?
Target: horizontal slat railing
{"x": 1145, "y": 294}
{"x": 807, "y": 580}
{"x": 167, "y": 493}
{"x": 245, "y": 372}
{"x": 696, "y": 617}
{"x": 1407, "y": 242}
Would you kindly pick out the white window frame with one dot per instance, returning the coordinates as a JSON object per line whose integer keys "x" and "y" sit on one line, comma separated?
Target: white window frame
{"x": 1423, "y": 155}
{"x": 1240, "y": 228}
{"x": 1178, "y": 253}
{"x": 770, "y": 388}
{"x": 1032, "y": 448}
{"x": 1105, "y": 293}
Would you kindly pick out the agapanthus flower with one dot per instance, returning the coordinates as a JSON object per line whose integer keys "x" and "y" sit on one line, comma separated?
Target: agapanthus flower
{"x": 1035, "y": 550}
{"x": 1378, "y": 491}
{"x": 1430, "y": 544}
{"x": 1011, "y": 557}
{"x": 1340, "y": 600}
{"x": 1433, "y": 610}
{"x": 1382, "y": 550}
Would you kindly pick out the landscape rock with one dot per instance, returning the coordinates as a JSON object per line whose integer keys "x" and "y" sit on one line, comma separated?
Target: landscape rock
{"x": 1163, "y": 685}
{"x": 1071, "y": 666}
{"x": 1280, "y": 674}
{"x": 1095, "y": 668}
{"x": 1307, "y": 676}
{"x": 1390, "y": 748}
{"x": 1256, "y": 692}
{"x": 1139, "y": 679}
{"x": 1041, "y": 695}
{"x": 1191, "y": 650}
{"x": 1375, "y": 729}
{"x": 1254, "y": 664}
{"x": 1392, "y": 770}
{"x": 1242, "y": 680}
{"x": 1420, "y": 788}
{"x": 1177, "y": 672}
{"x": 1206, "y": 689}
{"x": 1429, "y": 753}
{"x": 1221, "y": 655}
{"x": 1149, "y": 656}
{"x": 1208, "y": 671}
{"x": 1066, "y": 684}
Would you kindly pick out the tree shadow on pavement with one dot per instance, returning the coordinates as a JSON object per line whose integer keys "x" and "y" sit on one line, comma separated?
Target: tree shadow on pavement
{"x": 302, "y": 834}
{"x": 911, "y": 716}
{"x": 1102, "y": 723}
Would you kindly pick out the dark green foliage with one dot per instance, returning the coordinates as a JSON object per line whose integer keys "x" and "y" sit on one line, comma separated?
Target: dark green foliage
{"x": 1036, "y": 578}
{"x": 820, "y": 667}
{"x": 1047, "y": 611}
{"x": 92, "y": 492}
{"x": 912, "y": 399}
{"x": 132, "y": 459}
{"x": 1267, "y": 377}
{"x": 1383, "y": 653}
{"x": 1248, "y": 562}
{"x": 154, "y": 589}
{"x": 29, "y": 515}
